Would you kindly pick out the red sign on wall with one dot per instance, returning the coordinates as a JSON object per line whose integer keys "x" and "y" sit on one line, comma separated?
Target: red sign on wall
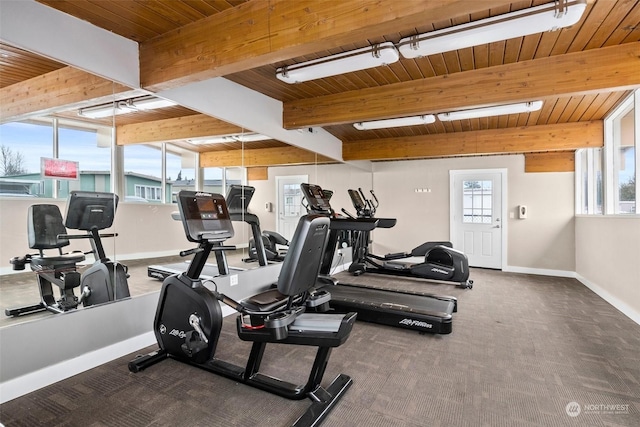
{"x": 59, "y": 169}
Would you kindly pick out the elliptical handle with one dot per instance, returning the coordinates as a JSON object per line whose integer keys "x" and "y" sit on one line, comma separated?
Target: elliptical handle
{"x": 375, "y": 198}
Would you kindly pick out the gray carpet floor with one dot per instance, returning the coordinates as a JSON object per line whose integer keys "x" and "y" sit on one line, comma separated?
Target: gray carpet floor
{"x": 525, "y": 351}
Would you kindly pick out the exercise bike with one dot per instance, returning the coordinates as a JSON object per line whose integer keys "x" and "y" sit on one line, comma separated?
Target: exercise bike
{"x": 431, "y": 260}
{"x": 104, "y": 281}
{"x": 189, "y": 318}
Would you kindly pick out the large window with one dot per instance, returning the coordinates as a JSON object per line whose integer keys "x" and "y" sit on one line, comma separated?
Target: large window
{"x": 606, "y": 178}
{"x": 140, "y": 167}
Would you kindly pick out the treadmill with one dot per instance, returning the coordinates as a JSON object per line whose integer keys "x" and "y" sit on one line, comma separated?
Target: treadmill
{"x": 238, "y": 199}
{"x": 420, "y": 311}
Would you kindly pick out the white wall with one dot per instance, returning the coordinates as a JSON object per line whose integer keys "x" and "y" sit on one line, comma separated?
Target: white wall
{"x": 544, "y": 243}
{"x": 608, "y": 259}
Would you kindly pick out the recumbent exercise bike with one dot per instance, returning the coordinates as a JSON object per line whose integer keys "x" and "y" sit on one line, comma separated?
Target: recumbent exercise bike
{"x": 188, "y": 318}
{"x": 103, "y": 281}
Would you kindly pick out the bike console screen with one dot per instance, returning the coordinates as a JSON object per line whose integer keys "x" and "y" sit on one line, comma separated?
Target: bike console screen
{"x": 315, "y": 198}
{"x": 205, "y": 216}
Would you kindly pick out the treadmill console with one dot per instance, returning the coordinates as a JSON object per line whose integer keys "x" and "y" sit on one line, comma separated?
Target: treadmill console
{"x": 205, "y": 216}
{"x": 316, "y": 198}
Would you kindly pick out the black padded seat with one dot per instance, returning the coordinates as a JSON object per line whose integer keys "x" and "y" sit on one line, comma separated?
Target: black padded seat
{"x": 44, "y": 228}
{"x": 58, "y": 261}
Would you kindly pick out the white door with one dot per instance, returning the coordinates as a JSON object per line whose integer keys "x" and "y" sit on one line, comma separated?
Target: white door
{"x": 477, "y": 222}
{"x": 289, "y": 207}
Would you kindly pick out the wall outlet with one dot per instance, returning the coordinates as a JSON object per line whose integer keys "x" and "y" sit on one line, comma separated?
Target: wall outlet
{"x": 339, "y": 252}
{"x": 233, "y": 280}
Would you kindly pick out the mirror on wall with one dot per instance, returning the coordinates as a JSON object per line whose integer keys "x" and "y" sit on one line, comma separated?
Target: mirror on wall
{"x": 59, "y": 214}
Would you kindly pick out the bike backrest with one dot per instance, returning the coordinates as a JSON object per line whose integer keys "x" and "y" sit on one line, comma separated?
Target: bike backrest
{"x": 302, "y": 264}
{"x": 44, "y": 224}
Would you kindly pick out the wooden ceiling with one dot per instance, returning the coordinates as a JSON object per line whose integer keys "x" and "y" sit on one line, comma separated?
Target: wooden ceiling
{"x": 580, "y": 73}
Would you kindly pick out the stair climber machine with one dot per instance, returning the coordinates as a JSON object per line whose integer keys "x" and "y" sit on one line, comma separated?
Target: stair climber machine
{"x": 432, "y": 260}
{"x": 189, "y": 317}
{"x": 420, "y": 311}
{"x": 102, "y": 282}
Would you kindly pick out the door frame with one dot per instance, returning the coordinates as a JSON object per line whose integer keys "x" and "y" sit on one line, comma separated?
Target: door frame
{"x": 279, "y": 178}
{"x": 503, "y": 201}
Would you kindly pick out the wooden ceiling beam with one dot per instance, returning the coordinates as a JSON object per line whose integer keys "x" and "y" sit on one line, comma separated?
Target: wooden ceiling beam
{"x": 556, "y": 137}
{"x": 178, "y": 128}
{"x": 602, "y": 70}
{"x": 258, "y": 33}
{"x": 261, "y": 157}
{"x": 60, "y": 90}
{"x": 553, "y": 161}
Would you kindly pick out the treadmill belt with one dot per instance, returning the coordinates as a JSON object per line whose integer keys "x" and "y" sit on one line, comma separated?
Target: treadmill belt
{"x": 416, "y": 312}
{"x": 398, "y": 301}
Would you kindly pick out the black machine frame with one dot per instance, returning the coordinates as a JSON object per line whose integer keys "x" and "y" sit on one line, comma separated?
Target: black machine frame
{"x": 440, "y": 261}
{"x": 102, "y": 282}
{"x": 420, "y": 311}
{"x": 187, "y": 306}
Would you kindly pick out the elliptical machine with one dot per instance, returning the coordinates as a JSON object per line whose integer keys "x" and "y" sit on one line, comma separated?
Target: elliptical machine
{"x": 102, "y": 282}
{"x": 189, "y": 319}
{"x": 431, "y": 260}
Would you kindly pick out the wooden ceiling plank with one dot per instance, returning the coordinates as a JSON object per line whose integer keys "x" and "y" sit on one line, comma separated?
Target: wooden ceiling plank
{"x": 258, "y": 33}
{"x": 616, "y": 14}
{"x": 610, "y": 69}
{"x": 568, "y": 136}
{"x": 596, "y": 13}
{"x": 63, "y": 89}
{"x": 570, "y": 109}
{"x": 103, "y": 18}
{"x": 179, "y": 128}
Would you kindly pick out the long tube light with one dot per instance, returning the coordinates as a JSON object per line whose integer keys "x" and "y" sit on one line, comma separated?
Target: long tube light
{"x": 547, "y": 17}
{"x": 246, "y": 137}
{"x": 148, "y": 102}
{"x": 498, "y": 110}
{"x": 345, "y": 62}
{"x": 394, "y": 123}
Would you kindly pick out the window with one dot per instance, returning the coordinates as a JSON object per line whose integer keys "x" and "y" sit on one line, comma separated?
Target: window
{"x": 624, "y": 161}
{"x": 148, "y": 193}
{"x": 181, "y": 170}
{"x": 21, "y": 146}
{"x": 477, "y": 200}
{"x": 91, "y": 148}
{"x": 606, "y": 178}
{"x": 142, "y": 172}
{"x": 589, "y": 172}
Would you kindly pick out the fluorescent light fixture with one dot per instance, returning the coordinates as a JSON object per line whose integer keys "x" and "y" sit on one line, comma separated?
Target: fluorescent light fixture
{"x": 345, "y": 62}
{"x": 107, "y": 110}
{"x": 247, "y": 137}
{"x": 394, "y": 123}
{"x": 547, "y": 17}
{"x": 148, "y": 102}
{"x": 151, "y": 103}
{"x": 498, "y": 110}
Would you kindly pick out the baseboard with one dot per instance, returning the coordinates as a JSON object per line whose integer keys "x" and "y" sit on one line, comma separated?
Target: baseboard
{"x": 622, "y": 306}
{"x": 540, "y": 271}
{"x": 32, "y": 381}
